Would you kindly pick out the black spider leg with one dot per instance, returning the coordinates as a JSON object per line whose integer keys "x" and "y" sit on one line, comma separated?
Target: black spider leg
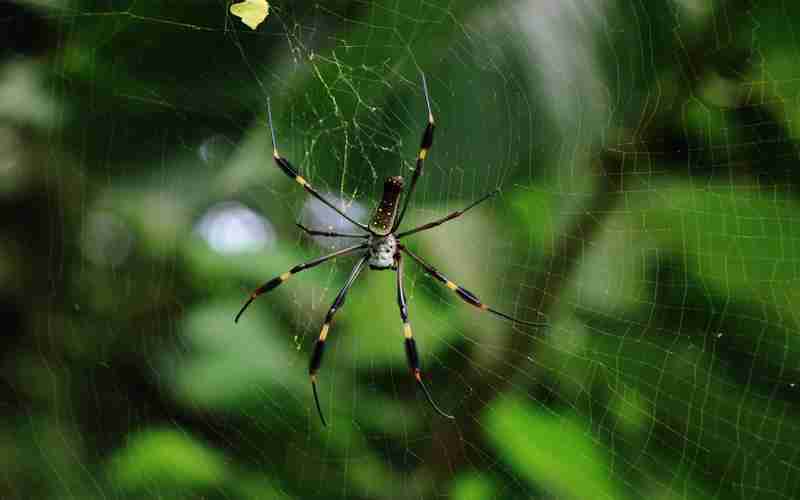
{"x": 319, "y": 346}
{"x": 425, "y": 146}
{"x": 331, "y": 234}
{"x": 463, "y": 293}
{"x": 454, "y": 215}
{"x": 274, "y": 282}
{"x": 412, "y": 355}
{"x": 289, "y": 170}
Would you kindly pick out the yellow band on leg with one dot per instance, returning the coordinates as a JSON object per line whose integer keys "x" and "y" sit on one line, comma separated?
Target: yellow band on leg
{"x": 324, "y": 332}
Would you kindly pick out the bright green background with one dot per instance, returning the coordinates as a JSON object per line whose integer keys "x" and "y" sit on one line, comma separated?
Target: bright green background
{"x": 647, "y": 156}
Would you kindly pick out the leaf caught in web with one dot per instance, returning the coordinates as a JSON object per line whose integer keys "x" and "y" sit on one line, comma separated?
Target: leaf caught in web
{"x": 251, "y": 12}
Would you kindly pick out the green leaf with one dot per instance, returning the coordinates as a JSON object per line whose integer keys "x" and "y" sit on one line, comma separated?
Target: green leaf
{"x": 473, "y": 486}
{"x": 166, "y": 458}
{"x": 536, "y": 210}
{"x": 738, "y": 239}
{"x": 556, "y": 453}
{"x": 230, "y": 364}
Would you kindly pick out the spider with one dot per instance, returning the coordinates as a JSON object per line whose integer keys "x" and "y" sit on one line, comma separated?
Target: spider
{"x": 381, "y": 250}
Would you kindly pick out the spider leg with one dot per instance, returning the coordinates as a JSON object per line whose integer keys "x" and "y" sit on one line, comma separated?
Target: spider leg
{"x": 292, "y": 172}
{"x": 454, "y": 215}
{"x": 412, "y": 355}
{"x": 425, "y": 145}
{"x": 319, "y": 346}
{"x": 274, "y": 282}
{"x": 315, "y": 232}
{"x": 463, "y": 293}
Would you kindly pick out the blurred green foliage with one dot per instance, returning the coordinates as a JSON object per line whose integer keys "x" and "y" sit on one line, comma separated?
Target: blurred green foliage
{"x": 646, "y": 154}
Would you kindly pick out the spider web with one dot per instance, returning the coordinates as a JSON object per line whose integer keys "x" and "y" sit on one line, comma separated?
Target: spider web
{"x": 648, "y": 213}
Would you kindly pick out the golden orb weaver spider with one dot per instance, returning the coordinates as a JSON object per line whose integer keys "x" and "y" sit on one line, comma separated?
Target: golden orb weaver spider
{"x": 382, "y": 251}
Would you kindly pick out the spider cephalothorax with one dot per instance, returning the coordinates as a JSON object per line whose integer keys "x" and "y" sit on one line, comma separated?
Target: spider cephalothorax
{"x": 381, "y": 249}
{"x": 382, "y": 252}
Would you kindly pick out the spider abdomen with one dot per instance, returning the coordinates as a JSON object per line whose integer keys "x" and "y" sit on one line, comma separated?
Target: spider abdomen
{"x": 383, "y": 219}
{"x": 382, "y": 252}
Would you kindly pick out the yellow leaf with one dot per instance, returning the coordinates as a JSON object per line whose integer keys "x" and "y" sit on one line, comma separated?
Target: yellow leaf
{"x": 252, "y": 12}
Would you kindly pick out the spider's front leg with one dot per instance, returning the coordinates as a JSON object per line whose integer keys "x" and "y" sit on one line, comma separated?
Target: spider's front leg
{"x": 329, "y": 234}
{"x": 292, "y": 173}
{"x": 412, "y": 355}
{"x": 319, "y": 346}
{"x": 425, "y": 145}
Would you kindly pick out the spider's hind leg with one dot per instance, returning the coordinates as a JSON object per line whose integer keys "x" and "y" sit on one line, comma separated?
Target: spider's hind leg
{"x": 275, "y": 282}
{"x": 465, "y": 294}
{"x": 319, "y": 346}
{"x": 412, "y": 355}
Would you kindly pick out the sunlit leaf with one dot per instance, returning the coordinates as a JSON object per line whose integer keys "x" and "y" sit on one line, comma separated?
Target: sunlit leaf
{"x": 251, "y": 12}
{"x": 473, "y": 487}
{"x": 742, "y": 240}
{"x": 166, "y": 458}
{"x": 559, "y": 454}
